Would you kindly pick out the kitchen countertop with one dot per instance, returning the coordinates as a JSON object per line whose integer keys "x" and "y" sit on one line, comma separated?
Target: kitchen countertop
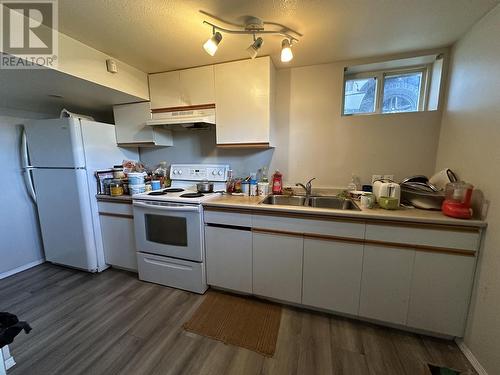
{"x": 109, "y": 198}
{"x": 414, "y": 215}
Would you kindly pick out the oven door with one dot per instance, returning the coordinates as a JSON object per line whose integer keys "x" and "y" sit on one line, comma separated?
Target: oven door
{"x": 169, "y": 229}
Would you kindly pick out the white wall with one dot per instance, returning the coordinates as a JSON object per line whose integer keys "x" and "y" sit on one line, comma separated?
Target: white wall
{"x": 199, "y": 147}
{"x": 82, "y": 61}
{"x": 20, "y": 241}
{"x": 470, "y": 143}
{"x": 314, "y": 140}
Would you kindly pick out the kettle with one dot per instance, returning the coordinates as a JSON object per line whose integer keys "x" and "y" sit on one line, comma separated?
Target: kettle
{"x": 386, "y": 188}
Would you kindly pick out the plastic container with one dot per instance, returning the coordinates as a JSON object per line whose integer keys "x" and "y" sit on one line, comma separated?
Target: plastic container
{"x": 135, "y": 178}
{"x": 137, "y": 189}
{"x": 156, "y": 185}
{"x": 245, "y": 187}
{"x": 263, "y": 188}
{"x": 253, "y": 184}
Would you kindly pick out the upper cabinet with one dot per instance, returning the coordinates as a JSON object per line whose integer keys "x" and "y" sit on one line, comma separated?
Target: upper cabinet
{"x": 131, "y": 129}
{"x": 181, "y": 88}
{"x": 244, "y": 97}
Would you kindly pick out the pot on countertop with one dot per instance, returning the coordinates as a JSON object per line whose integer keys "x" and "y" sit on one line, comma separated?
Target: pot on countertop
{"x": 205, "y": 187}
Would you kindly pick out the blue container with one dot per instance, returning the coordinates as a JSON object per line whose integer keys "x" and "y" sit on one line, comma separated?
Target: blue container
{"x": 155, "y": 185}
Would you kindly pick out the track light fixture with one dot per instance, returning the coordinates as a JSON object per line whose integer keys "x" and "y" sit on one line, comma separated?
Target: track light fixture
{"x": 212, "y": 43}
{"x": 255, "y": 46}
{"x": 286, "y": 51}
{"x": 253, "y": 26}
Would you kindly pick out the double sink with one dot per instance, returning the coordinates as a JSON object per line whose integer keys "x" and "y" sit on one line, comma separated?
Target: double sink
{"x": 336, "y": 203}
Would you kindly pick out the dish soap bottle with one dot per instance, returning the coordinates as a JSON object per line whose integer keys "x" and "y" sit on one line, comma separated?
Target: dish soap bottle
{"x": 277, "y": 183}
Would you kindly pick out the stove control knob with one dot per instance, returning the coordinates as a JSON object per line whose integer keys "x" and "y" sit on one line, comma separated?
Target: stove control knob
{"x": 179, "y": 171}
{"x": 214, "y": 172}
{"x": 174, "y": 171}
{"x": 220, "y": 172}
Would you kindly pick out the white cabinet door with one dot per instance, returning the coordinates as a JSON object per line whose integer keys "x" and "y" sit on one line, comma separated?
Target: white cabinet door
{"x": 131, "y": 128}
{"x": 385, "y": 283}
{"x": 118, "y": 241}
{"x": 182, "y": 87}
{"x": 243, "y": 97}
{"x": 197, "y": 86}
{"x": 277, "y": 266}
{"x": 332, "y": 275}
{"x": 164, "y": 89}
{"x": 440, "y": 292}
{"x": 229, "y": 258}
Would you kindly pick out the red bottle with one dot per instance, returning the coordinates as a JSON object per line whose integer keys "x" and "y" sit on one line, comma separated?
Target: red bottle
{"x": 277, "y": 183}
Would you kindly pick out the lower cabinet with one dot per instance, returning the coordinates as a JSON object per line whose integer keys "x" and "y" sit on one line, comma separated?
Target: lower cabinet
{"x": 229, "y": 258}
{"x": 440, "y": 292}
{"x": 332, "y": 274}
{"x": 334, "y": 267}
{"x": 119, "y": 240}
{"x": 277, "y": 266}
{"x": 385, "y": 284}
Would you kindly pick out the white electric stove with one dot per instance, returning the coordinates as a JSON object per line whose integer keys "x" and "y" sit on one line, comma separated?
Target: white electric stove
{"x": 169, "y": 227}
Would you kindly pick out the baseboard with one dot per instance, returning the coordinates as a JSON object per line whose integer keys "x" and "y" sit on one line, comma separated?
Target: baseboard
{"x": 471, "y": 357}
{"x": 9, "y": 362}
{"x": 22, "y": 268}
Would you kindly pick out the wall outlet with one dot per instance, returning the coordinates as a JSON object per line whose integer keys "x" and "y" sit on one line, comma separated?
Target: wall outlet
{"x": 389, "y": 177}
{"x": 376, "y": 177}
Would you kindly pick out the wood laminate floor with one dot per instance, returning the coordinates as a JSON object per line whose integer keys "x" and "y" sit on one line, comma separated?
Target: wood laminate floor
{"x": 112, "y": 323}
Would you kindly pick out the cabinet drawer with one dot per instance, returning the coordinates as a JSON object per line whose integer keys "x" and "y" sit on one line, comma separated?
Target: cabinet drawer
{"x": 228, "y": 218}
{"x": 336, "y": 228}
{"x": 438, "y": 238}
{"x": 172, "y": 272}
{"x": 115, "y": 208}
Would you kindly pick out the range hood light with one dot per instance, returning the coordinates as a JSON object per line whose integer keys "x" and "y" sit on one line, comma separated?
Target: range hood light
{"x": 212, "y": 43}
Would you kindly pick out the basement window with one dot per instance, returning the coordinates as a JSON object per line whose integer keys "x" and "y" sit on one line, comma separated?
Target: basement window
{"x": 407, "y": 85}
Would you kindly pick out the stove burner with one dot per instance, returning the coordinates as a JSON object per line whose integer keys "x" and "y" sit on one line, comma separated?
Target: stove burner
{"x": 157, "y": 193}
{"x": 173, "y": 190}
{"x": 192, "y": 195}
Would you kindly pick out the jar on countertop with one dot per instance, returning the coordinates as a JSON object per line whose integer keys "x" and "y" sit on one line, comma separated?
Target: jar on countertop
{"x": 116, "y": 188}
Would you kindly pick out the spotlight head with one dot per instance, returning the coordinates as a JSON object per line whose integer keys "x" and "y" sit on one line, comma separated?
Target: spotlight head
{"x": 254, "y": 47}
{"x": 212, "y": 43}
{"x": 286, "y": 51}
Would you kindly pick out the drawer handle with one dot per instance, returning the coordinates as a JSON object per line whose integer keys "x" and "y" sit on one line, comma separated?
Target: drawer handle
{"x": 168, "y": 264}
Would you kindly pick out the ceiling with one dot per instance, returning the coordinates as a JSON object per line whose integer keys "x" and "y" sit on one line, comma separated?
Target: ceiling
{"x": 160, "y": 35}
{"x": 30, "y": 89}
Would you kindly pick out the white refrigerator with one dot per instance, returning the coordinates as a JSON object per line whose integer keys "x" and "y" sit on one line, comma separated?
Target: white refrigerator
{"x": 60, "y": 157}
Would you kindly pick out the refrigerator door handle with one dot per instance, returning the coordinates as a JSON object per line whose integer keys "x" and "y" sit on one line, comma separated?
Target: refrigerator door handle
{"x": 28, "y": 177}
{"x": 24, "y": 150}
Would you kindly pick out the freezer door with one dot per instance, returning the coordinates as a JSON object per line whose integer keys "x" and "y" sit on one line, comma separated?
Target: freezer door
{"x": 55, "y": 143}
{"x": 65, "y": 217}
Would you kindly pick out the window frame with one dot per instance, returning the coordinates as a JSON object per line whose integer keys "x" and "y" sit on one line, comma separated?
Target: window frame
{"x": 379, "y": 76}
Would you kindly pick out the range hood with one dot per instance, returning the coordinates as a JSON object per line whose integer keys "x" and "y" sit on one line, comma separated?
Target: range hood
{"x": 184, "y": 119}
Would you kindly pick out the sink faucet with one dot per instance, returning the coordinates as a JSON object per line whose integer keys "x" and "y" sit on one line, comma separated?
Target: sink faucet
{"x": 307, "y": 187}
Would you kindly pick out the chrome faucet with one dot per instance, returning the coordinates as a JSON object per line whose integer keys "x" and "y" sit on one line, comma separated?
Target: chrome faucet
{"x": 307, "y": 187}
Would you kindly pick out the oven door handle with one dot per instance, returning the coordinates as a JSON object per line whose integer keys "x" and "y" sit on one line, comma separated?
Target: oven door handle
{"x": 169, "y": 208}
